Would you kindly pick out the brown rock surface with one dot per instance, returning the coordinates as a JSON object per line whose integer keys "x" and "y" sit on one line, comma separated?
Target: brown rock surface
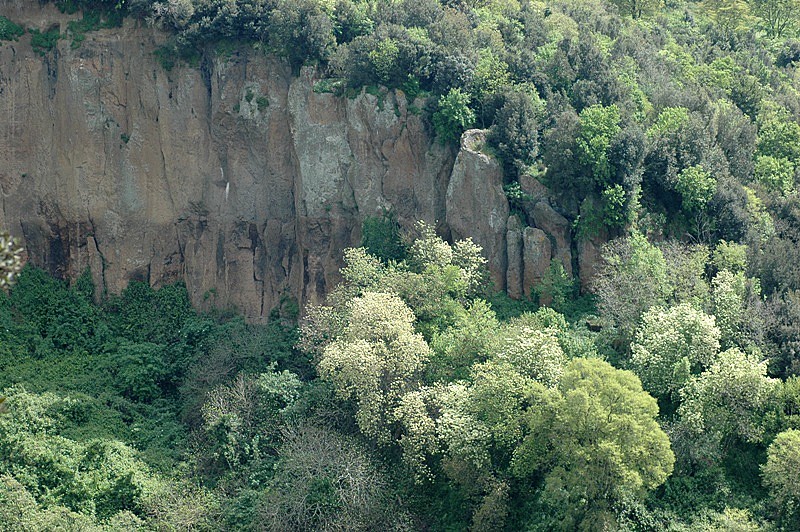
{"x": 235, "y": 176}
{"x": 476, "y": 204}
{"x": 537, "y": 252}
{"x": 514, "y": 272}
{"x": 558, "y": 227}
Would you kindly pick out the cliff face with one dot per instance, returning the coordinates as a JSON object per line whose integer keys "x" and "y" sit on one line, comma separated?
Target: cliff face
{"x": 234, "y": 176}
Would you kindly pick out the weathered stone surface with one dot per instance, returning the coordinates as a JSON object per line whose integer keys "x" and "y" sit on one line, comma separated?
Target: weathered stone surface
{"x": 536, "y": 252}
{"x": 235, "y": 176}
{"x": 589, "y": 250}
{"x": 589, "y": 259}
{"x": 514, "y": 272}
{"x": 476, "y": 204}
{"x": 558, "y": 227}
{"x": 533, "y": 188}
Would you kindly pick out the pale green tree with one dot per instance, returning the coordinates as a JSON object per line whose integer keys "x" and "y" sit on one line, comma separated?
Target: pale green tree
{"x": 729, "y": 16}
{"x": 781, "y": 475}
{"x": 671, "y": 345}
{"x": 730, "y": 295}
{"x": 727, "y": 402}
{"x": 778, "y": 16}
{"x": 376, "y": 360}
{"x": 536, "y": 354}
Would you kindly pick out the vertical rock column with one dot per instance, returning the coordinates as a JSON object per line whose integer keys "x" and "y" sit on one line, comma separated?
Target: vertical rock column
{"x": 514, "y": 273}
{"x": 476, "y": 204}
{"x": 537, "y": 252}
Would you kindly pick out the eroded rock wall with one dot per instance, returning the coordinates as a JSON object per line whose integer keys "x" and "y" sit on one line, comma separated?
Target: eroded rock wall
{"x": 234, "y": 176}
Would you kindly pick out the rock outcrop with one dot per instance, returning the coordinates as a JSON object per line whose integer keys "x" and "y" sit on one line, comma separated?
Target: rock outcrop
{"x": 515, "y": 271}
{"x": 235, "y": 176}
{"x": 476, "y": 204}
{"x": 537, "y": 254}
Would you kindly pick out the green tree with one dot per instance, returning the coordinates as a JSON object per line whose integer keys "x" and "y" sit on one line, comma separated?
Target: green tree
{"x": 778, "y": 134}
{"x": 632, "y": 278}
{"x": 453, "y": 116}
{"x": 671, "y": 345}
{"x": 596, "y": 440}
{"x": 599, "y": 125}
{"x": 637, "y": 8}
{"x": 781, "y": 475}
{"x": 775, "y": 173}
{"x": 301, "y": 30}
{"x": 730, "y": 16}
{"x": 729, "y": 256}
{"x": 696, "y": 187}
{"x": 777, "y": 15}
{"x": 514, "y": 133}
{"x": 731, "y": 297}
{"x": 380, "y": 236}
{"x": 556, "y": 288}
{"x": 614, "y": 213}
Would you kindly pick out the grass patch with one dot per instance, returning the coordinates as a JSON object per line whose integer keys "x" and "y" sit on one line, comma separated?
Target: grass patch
{"x": 92, "y": 20}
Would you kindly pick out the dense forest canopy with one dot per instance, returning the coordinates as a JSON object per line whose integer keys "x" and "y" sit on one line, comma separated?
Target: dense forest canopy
{"x": 665, "y": 397}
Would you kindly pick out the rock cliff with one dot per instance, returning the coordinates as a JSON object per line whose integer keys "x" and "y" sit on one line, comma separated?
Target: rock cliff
{"x": 234, "y": 176}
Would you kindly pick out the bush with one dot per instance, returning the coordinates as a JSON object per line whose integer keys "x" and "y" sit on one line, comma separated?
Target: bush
{"x": 380, "y": 236}
{"x": 10, "y": 31}
{"x": 515, "y": 134}
{"x": 453, "y": 116}
{"x": 44, "y": 42}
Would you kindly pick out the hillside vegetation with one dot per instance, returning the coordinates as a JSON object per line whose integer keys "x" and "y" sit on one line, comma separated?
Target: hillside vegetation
{"x": 667, "y": 397}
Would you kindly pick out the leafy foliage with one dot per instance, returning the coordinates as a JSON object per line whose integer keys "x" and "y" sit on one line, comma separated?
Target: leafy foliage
{"x": 783, "y": 458}
{"x": 9, "y": 30}
{"x": 671, "y": 345}
{"x": 453, "y": 116}
{"x": 603, "y": 441}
